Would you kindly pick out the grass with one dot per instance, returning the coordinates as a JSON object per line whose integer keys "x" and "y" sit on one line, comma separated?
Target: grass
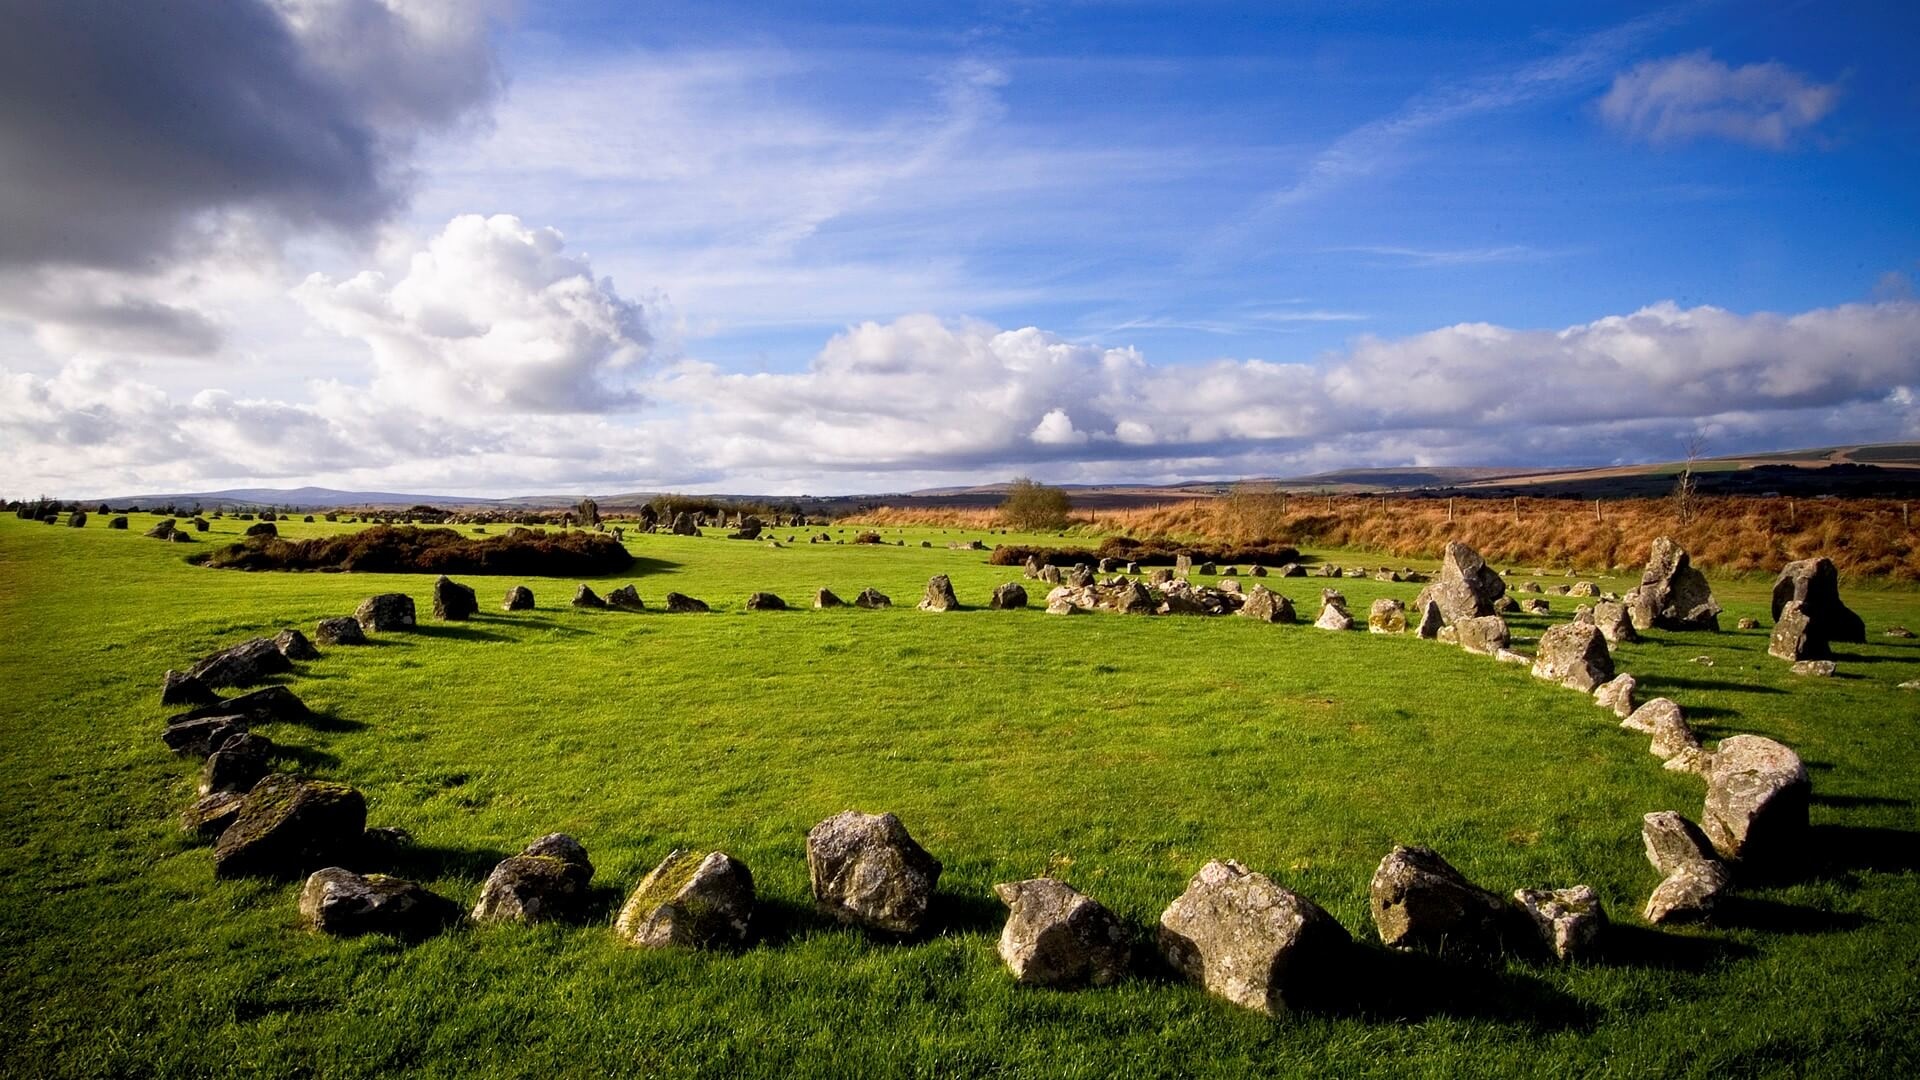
{"x": 1118, "y": 753}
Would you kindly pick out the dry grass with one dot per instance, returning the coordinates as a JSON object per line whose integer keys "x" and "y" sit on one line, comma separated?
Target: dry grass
{"x": 1864, "y": 537}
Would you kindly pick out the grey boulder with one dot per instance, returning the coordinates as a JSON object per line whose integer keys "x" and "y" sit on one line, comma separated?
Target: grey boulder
{"x": 865, "y": 869}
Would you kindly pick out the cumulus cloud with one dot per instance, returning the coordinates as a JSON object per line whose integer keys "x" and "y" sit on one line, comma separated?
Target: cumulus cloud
{"x": 492, "y": 315}
{"x": 1681, "y": 98}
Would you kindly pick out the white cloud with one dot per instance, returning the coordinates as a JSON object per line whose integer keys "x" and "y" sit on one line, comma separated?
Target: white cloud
{"x": 492, "y": 315}
{"x": 1694, "y": 96}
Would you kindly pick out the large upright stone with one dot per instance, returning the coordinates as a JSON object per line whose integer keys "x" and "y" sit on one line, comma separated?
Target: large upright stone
{"x": 288, "y": 826}
{"x": 547, "y": 880}
{"x": 1794, "y": 637}
{"x": 939, "y": 595}
{"x": 453, "y": 601}
{"x": 825, "y": 598}
{"x": 1615, "y": 624}
{"x": 691, "y": 901}
{"x": 1574, "y": 655}
{"x": 388, "y": 611}
{"x": 252, "y": 661}
{"x": 1419, "y": 901}
{"x": 865, "y": 869}
{"x": 1250, "y": 941}
{"x": 1672, "y": 595}
{"x": 1757, "y": 795}
{"x": 1057, "y": 936}
{"x": 518, "y": 598}
{"x": 1815, "y": 584}
{"x": 342, "y": 903}
{"x": 585, "y": 597}
{"x": 684, "y": 525}
{"x": 1430, "y": 619}
{"x": 1467, "y": 586}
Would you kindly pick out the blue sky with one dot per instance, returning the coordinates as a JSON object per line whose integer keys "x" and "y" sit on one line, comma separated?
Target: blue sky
{"x": 595, "y": 246}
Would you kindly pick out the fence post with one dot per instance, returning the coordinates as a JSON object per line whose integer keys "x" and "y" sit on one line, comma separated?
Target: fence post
{"x": 1516, "y": 508}
{"x": 1793, "y": 516}
{"x": 1449, "y": 508}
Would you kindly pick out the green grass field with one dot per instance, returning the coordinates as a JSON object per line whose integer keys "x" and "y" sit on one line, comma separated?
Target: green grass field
{"x": 1120, "y": 753}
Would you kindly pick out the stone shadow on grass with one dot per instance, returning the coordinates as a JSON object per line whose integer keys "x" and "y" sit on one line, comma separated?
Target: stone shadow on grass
{"x": 1624, "y": 945}
{"x": 1659, "y": 685}
{"x": 427, "y": 862}
{"x": 458, "y": 632}
{"x": 1380, "y": 984}
{"x": 320, "y": 720}
{"x": 1839, "y": 849}
{"x": 1774, "y": 917}
{"x": 305, "y": 759}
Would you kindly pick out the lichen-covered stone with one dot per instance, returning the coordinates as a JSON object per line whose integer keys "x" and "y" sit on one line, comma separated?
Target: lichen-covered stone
{"x": 388, "y": 611}
{"x": 288, "y": 825}
{"x": 1246, "y": 939}
{"x": 1815, "y": 585}
{"x": 872, "y": 598}
{"x": 1466, "y": 588}
{"x": 1484, "y": 634}
{"x": 939, "y": 594}
{"x": 866, "y": 869}
{"x": 1617, "y": 694}
{"x": 546, "y": 881}
{"x": 1265, "y": 605}
{"x": 201, "y": 736}
{"x": 518, "y": 598}
{"x": 237, "y": 764}
{"x": 1057, "y": 936}
{"x": 1570, "y": 921}
{"x": 452, "y": 601}
{"x": 1008, "y": 596}
{"x": 1694, "y": 880}
{"x": 690, "y": 901}
{"x": 1419, "y": 901}
{"x": 269, "y": 704}
{"x": 1757, "y": 796}
{"x": 1387, "y": 616}
{"x": 252, "y": 661}
{"x": 209, "y": 815}
{"x": 342, "y": 903}
{"x": 1672, "y": 595}
{"x": 344, "y": 630}
{"x": 682, "y": 604}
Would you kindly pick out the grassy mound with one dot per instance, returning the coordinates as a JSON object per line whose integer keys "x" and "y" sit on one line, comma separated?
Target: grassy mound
{"x": 388, "y": 549}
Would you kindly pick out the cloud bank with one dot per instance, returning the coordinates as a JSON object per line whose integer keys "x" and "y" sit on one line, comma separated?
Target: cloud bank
{"x": 1682, "y": 98}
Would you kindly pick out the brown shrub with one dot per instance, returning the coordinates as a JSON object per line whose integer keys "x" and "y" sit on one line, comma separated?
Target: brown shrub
{"x": 387, "y": 549}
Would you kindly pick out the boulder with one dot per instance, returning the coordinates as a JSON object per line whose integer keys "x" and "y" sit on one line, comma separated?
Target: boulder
{"x": 1387, "y": 616}
{"x": 452, "y": 601}
{"x": 1419, "y": 901}
{"x": 1537, "y": 606}
{"x": 1050, "y": 574}
{"x": 1131, "y": 598}
{"x": 1570, "y": 921}
{"x": 518, "y": 598}
{"x": 1080, "y": 577}
{"x": 201, "y": 736}
{"x": 1230, "y": 585}
{"x": 682, "y": 604}
{"x": 825, "y": 598}
{"x": 344, "y": 630}
{"x": 1486, "y": 634}
{"x": 1574, "y": 655}
{"x": 180, "y": 688}
{"x": 1007, "y": 596}
{"x": 1617, "y": 694}
{"x": 1694, "y": 878}
{"x": 294, "y": 645}
{"x": 871, "y": 597}
{"x": 1266, "y": 606}
{"x": 1815, "y": 585}
{"x": 627, "y": 598}
{"x": 117, "y": 523}
{"x": 765, "y": 601}
{"x": 1583, "y": 588}
{"x": 252, "y": 661}
{"x": 1747, "y": 622}
{"x": 1757, "y": 795}
{"x": 690, "y": 901}
{"x": 1672, "y": 595}
{"x": 163, "y": 530}
{"x": 939, "y": 594}
{"x": 288, "y": 825}
{"x": 1430, "y": 619}
{"x": 683, "y": 525}
{"x": 1333, "y": 617}
{"x": 1671, "y": 735}
{"x": 1056, "y": 936}
{"x": 209, "y": 815}
{"x": 263, "y": 528}
{"x": 1246, "y": 939}
{"x": 1612, "y": 619}
{"x": 1467, "y": 588}
{"x": 749, "y": 529}
{"x": 1793, "y": 637}
{"x": 547, "y": 880}
{"x": 237, "y": 764}
{"x": 866, "y": 870}
{"x": 177, "y": 536}
{"x": 342, "y": 903}
{"x": 388, "y": 611}
{"x": 585, "y": 597}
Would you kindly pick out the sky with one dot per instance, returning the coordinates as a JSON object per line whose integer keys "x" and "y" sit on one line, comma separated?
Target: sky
{"x": 482, "y": 248}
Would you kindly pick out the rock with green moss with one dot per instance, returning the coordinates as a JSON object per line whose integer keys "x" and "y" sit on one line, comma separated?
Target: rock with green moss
{"x": 180, "y": 688}
{"x": 252, "y": 661}
{"x": 546, "y": 881}
{"x": 691, "y": 901}
{"x": 288, "y": 826}
{"x": 388, "y": 611}
{"x": 237, "y": 764}
{"x": 340, "y": 902}
{"x": 272, "y": 704}
{"x": 208, "y": 816}
{"x": 866, "y": 870}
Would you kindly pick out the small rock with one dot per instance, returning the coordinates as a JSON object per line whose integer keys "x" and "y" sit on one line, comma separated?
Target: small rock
{"x": 682, "y": 604}
{"x": 519, "y": 598}
{"x": 388, "y": 611}
{"x": 209, "y": 815}
{"x": 344, "y": 630}
{"x": 1747, "y": 622}
{"x": 1333, "y": 617}
{"x": 1821, "y": 668}
{"x": 627, "y": 598}
{"x": 1793, "y": 639}
{"x": 1419, "y": 901}
{"x": 1898, "y": 632}
{"x": 180, "y": 688}
{"x": 1250, "y": 941}
{"x": 294, "y": 645}
{"x": 1387, "y": 616}
{"x": 584, "y": 597}
{"x": 1056, "y": 936}
{"x": 1430, "y": 620}
{"x": 872, "y": 598}
{"x": 236, "y": 764}
{"x": 939, "y": 594}
{"x": 867, "y": 870}
{"x": 1617, "y": 694}
{"x": 1570, "y": 921}
{"x": 690, "y": 901}
{"x": 765, "y": 601}
{"x": 825, "y": 598}
{"x": 1264, "y": 605}
{"x": 1008, "y": 596}
{"x": 342, "y": 903}
{"x": 1652, "y": 716}
{"x": 546, "y": 881}
{"x": 201, "y": 736}
{"x": 1694, "y": 878}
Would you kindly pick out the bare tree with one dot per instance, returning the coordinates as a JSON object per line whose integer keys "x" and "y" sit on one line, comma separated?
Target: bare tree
{"x": 1686, "y": 489}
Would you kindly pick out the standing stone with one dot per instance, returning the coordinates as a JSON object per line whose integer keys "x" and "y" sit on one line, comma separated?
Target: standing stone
{"x": 1387, "y": 616}
{"x": 1793, "y": 635}
{"x": 584, "y": 597}
{"x": 765, "y": 601}
{"x": 871, "y": 597}
{"x": 252, "y": 661}
{"x": 1419, "y": 901}
{"x": 1570, "y": 921}
{"x": 866, "y": 870}
{"x": 1333, "y": 617}
{"x": 294, "y": 645}
{"x": 1131, "y": 598}
{"x": 388, "y": 611}
{"x": 1694, "y": 878}
{"x": 1815, "y": 584}
{"x": 1574, "y": 655}
{"x": 547, "y": 880}
{"x": 1081, "y": 576}
{"x": 180, "y": 688}
{"x": 342, "y": 903}
{"x": 690, "y": 901}
{"x": 1031, "y": 567}
{"x": 1757, "y": 795}
{"x": 939, "y": 595}
{"x": 519, "y": 598}
{"x": 117, "y": 523}
{"x": 344, "y": 630}
{"x": 237, "y": 764}
{"x": 1614, "y": 622}
{"x": 1056, "y": 936}
{"x": 1008, "y": 596}
{"x": 1467, "y": 586}
{"x": 1672, "y": 595}
{"x": 288, "y": 825}
{"x": 1430, "y": 619}
{"x": 683, "y": 525}
{"x": 1485, "y": 634}
{"x": 682, "y": 604}
{"x": 1617, "y": 694}
{"x": 1183, "y": 565}
{"x": 452, "y": 601}
{"x": 1265, "y": 605}
{"x": 627, "y": 598}
{"x": 1250, "y": 941}
{"x": 824, "y": 598}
